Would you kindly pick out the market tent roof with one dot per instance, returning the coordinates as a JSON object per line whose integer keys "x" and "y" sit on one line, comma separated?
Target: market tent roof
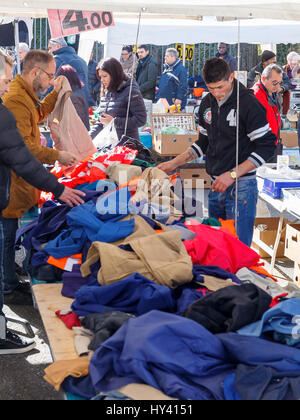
{"x": 274, "y": 9}
{"x": 168, "y": 31}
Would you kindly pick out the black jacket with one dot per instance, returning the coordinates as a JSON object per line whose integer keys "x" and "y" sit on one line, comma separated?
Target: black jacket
{"x": 14, "y": 155}
{"x": 217, "y": 138}
{"x": 115, "y": 104}
{"x": 255, "y": 74}
{"x": 146, "y": 76}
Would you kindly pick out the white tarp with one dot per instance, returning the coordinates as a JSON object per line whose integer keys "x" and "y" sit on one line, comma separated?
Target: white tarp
{"x": 166, "y": 31}
{"x": 273, "y": 9}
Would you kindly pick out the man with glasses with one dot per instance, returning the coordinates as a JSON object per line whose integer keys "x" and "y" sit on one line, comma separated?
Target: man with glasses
{"x": 37, "y": 76}
{"x": 15, "y": 156}
{"x": 266, "y": 91}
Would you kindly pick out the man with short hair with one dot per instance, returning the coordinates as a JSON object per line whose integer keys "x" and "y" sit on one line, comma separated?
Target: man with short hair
{"x": 146, "y": 72}
{"x": 15, "y": 156}
{"x": 64, "y": 54}
{"x": 266, "y": 91}
{"x": 217, "y": 140}
{"x": 23, "y": 50}
{"x": 224, "y": 54}
{"x": 173, "y": 85}
{"x": 37, "y": 76}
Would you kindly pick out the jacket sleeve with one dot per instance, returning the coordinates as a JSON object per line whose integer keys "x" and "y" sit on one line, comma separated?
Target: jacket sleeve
{"x": 47, "y": 105}
{"x": 199, "y": 148}
{"x": 137, "y": 112}
{"x": 152, "y": 74}
{"x": 15, "y": 155}
{"x": 24, "y": 125}
{"x": 286, "y": 83}
{"x": 259, "y": 132}
{"x": 251, "y": 78}
{"x": 182, "y": 89}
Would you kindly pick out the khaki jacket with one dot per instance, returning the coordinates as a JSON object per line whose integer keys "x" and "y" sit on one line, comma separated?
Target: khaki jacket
{"x": 29, "y": 112}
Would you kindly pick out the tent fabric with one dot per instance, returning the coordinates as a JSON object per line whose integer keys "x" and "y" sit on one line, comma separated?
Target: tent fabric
{"x": 275, "y": 9}
{"x": 170, "y": 31}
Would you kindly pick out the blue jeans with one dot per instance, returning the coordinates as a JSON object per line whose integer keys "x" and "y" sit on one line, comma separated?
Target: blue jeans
{"x": 9, "y": 278}
{"x": 2, "y": 333}
{"x": 222, "y": 206}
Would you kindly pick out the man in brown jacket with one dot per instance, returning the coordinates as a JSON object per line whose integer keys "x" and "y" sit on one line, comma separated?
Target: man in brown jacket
{"x": 22, "y": 100}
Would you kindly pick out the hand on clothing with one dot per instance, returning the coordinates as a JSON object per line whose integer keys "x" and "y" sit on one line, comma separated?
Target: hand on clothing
{"x": 105, "y": 119}
{"x": 58, "y": 83}
{"x": 222, "y": 183}
{"x": 72, "y": 197}
{"x": 67, "y": 159}
{"x": 178, "y": 102}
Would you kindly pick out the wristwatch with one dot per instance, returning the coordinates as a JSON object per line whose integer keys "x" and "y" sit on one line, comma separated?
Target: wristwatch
{"x": 233, "y": 175}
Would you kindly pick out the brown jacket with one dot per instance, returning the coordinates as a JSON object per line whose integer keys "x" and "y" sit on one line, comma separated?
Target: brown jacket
{"x": 29, "y": 112}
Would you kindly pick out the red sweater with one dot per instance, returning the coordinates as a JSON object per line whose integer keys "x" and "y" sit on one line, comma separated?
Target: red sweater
{"x": 273, "y": 111}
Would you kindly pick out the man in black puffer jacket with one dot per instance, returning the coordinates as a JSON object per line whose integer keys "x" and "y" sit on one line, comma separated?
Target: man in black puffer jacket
{"x": 14, "y": 155}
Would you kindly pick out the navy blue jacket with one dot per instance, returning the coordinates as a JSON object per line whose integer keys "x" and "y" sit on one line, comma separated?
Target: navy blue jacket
{"x": 67, "y": 55}
{"x": 115, "y": 104}
{"x": 94, "y": 83}
{"x": 174, "y": 84}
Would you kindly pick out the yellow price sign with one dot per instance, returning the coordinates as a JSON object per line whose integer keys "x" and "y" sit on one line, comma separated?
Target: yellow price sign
{"x": 189, "y": 51}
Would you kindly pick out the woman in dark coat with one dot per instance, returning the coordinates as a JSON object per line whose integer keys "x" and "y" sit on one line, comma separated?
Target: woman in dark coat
{"x": 115, "y": 92}
{"x": 78, "y": 96}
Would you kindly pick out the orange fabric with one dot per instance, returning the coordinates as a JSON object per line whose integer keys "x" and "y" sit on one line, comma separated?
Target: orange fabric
{"x": 263, "y": 272}
{"x": 228, "y": 226}
{"x": 198, "y": 92}
{"x": 62, "y": 262}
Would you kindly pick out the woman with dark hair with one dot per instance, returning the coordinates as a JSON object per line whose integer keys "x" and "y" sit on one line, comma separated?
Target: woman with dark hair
{"x": 129, "y": 61}
{"x": 78, "y": 97}
{"x": 116, "y": 94}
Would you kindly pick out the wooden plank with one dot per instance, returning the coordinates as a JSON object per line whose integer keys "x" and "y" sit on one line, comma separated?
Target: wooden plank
{"x": 49, "y": 300}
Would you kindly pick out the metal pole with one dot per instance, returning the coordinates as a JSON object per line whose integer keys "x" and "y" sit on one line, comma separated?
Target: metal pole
{"x": 17, "y": 42}
{"x": 237, "y": 123}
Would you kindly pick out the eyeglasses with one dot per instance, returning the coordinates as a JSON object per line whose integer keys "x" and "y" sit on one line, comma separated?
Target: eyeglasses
{"x": 276, "y": 83}
{"x": 50, "y": 75}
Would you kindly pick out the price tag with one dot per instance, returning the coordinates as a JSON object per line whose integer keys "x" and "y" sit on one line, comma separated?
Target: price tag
{"x": 189, "y": 51}
{"x": 70, "y": 22}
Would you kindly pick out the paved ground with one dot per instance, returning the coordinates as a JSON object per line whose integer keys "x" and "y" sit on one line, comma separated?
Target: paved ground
{"x": 22, "y": 376}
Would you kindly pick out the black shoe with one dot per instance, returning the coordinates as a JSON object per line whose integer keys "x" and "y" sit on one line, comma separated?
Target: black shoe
{"x": 20, "y": 296}
{"x": 15, "y": 344}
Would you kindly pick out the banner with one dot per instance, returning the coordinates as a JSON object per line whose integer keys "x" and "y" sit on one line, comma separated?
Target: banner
{"x": 69, "y": 22}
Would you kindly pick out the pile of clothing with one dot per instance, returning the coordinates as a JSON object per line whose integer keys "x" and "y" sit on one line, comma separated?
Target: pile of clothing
{"x": 211, "y": 323}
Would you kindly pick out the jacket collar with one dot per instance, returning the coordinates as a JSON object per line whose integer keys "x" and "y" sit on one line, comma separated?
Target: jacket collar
{"x": 172, "y": 67}
{"x": 23, "y": 85}
{"x": 272, "y": 99}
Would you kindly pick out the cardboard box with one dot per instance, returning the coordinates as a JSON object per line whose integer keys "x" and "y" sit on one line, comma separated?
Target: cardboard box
{"x": 173, "y": 144}
{"x": 195, "y": 173}
{"x": 268, "y": 236}
{"x": 289, "y": 138}
{"x": 296, "y": 277}
{"x": 292, "y": 243}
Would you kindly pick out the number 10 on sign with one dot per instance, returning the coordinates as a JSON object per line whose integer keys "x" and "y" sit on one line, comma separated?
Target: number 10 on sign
{"x": 70, "y": 22}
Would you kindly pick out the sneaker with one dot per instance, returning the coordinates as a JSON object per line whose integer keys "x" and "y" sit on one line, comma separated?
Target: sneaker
{"x": 15, "y": 344}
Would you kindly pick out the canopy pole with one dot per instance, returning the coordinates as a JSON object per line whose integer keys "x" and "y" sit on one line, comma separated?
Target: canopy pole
{"x": 237, "y": 124}
{"x": 17, "y": 42}
{"x": 130, "y": 92}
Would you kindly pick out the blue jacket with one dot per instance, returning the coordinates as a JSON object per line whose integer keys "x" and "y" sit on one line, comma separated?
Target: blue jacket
{"x": 174, "y": 84}
{"x": 67, "y": 55}
{"x": 93, "y": 82}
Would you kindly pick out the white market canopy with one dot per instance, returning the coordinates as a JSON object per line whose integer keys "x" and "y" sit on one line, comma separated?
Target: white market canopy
{"x": 171, "y": 31}
{"x": 273, "y": 9}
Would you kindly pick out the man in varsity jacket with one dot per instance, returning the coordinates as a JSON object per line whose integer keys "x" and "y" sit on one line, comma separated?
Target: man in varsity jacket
{"x": 217, "y": 140}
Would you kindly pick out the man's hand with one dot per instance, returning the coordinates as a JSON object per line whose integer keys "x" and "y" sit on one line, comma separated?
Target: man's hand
{"x": 167, "y": 166}
{"x": 67, "y": 159}
{"x": 72, "y": 197}
{"x": 222, "y": 183}
{"x": 58, "y": 83}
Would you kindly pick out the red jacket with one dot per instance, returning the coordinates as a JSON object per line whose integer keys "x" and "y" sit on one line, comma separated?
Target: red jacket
{"x": 273, "y": 111}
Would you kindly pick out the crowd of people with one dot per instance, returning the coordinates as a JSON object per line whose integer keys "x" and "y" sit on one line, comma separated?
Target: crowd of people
{"x": 118, "y": 88}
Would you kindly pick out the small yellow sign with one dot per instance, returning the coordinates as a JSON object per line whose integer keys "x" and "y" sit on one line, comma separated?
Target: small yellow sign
{"x": 189, "y": 51}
